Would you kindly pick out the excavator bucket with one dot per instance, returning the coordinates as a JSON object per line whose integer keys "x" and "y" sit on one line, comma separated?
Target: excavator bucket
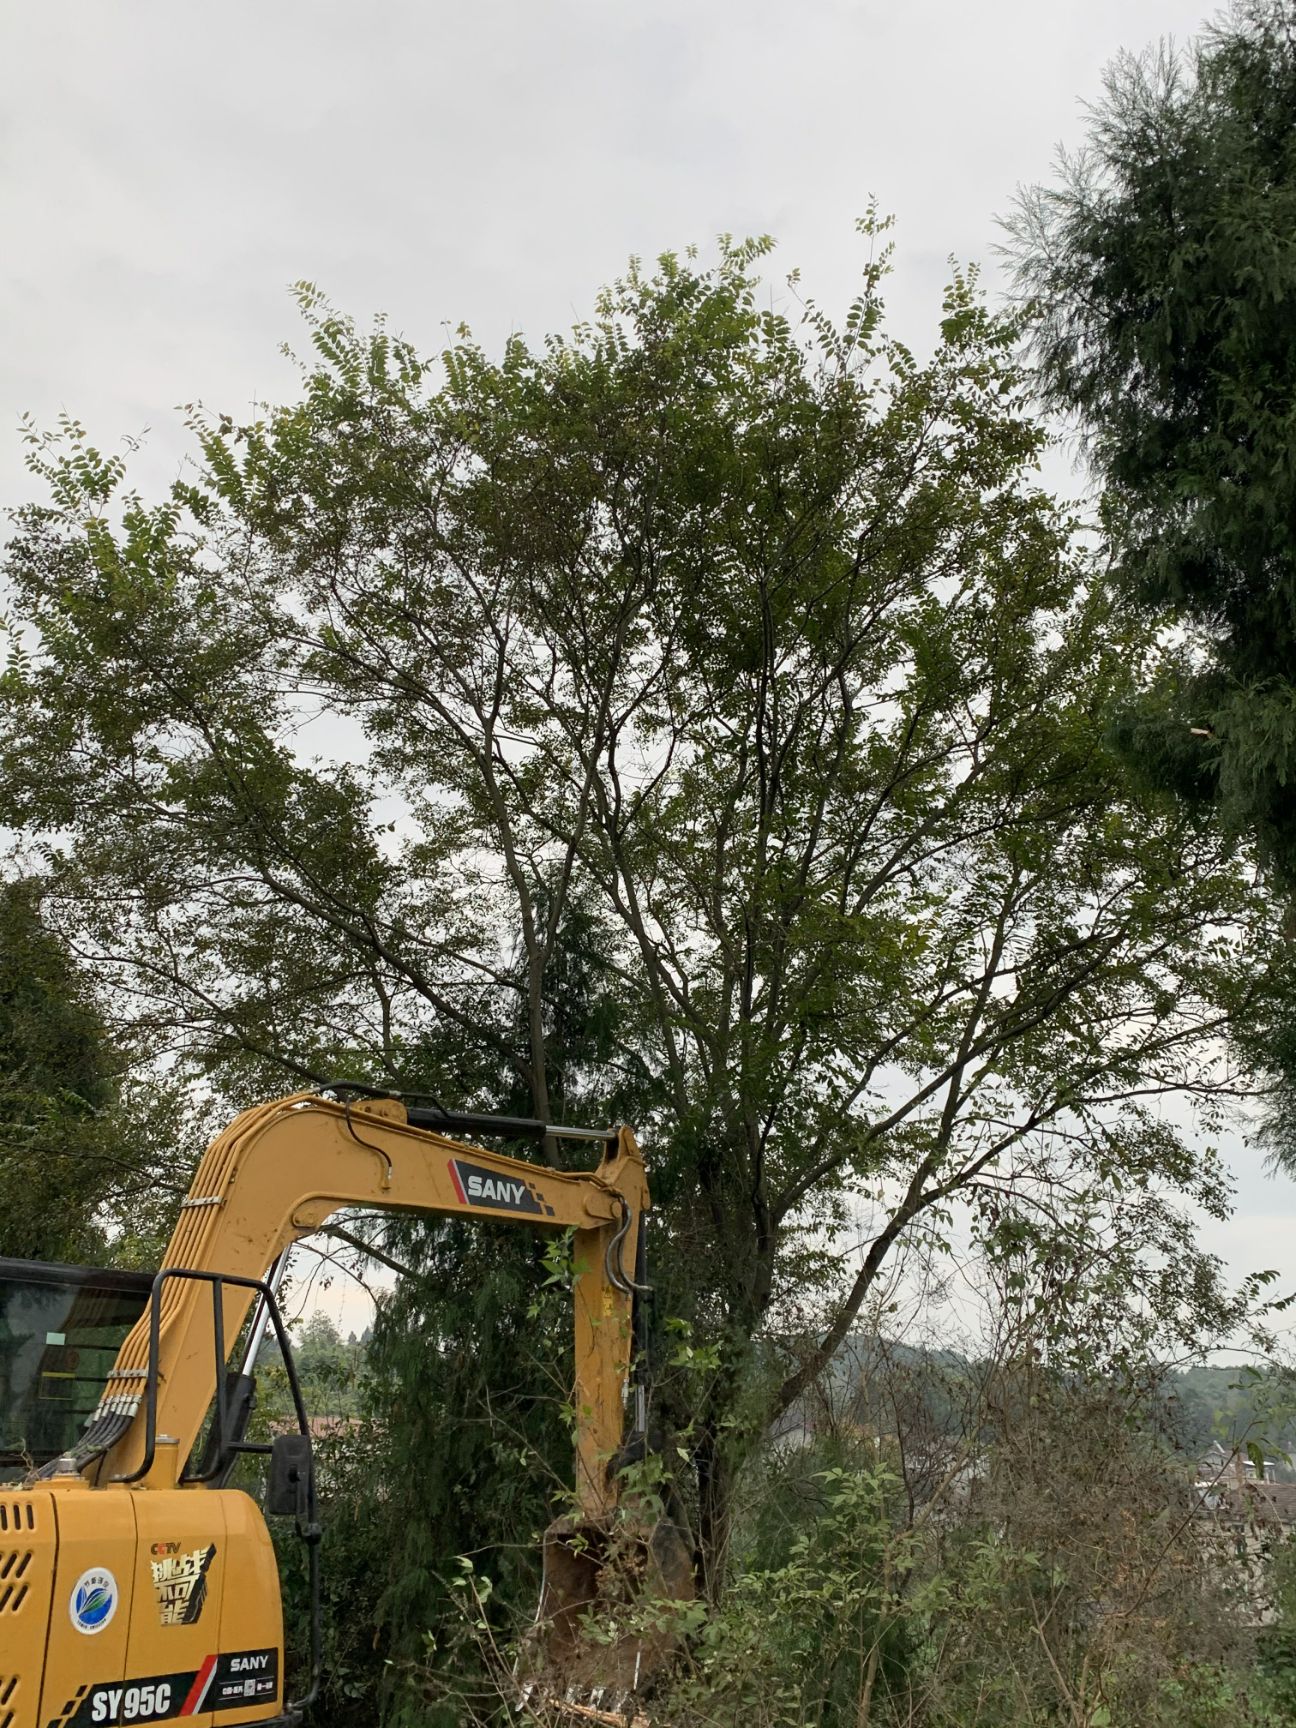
{"x": 608, "y": 1622}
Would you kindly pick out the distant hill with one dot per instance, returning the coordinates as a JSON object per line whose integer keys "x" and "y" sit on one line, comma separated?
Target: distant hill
{"x": 883, "y": 1385}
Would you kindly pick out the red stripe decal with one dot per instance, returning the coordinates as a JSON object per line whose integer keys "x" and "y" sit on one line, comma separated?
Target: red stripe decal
{"x": 198, "y": 1691}
{"x": 459, "y": 1188}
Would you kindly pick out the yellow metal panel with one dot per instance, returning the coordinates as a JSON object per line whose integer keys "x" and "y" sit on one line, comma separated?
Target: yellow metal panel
{"x": 251, "y": 1617}
{"x": 90, "y": 1613}
{"x": 207, "y": 1605}
{"x": 27, "y": 1545}
{"x": 181, "y": 1567}
{"x": 161, "y": 1605}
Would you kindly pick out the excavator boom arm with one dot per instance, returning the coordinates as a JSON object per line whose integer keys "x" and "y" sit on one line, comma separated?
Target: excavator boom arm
{"x": 279, "y": 1171}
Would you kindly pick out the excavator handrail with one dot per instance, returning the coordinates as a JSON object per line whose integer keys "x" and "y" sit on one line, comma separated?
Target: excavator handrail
{"x": 217, "y": 1280}
{"x": 227, "y": 1446}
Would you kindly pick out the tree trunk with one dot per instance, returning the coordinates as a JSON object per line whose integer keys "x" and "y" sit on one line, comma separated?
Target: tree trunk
{"x": 716, "y": 1475}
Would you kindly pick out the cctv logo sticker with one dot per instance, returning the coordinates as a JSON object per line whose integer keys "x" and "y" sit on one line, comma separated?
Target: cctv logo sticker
{"x": 476, "y": 1186}
{"x": 180, "y": 1583}
{"x": 93, "y": 1601}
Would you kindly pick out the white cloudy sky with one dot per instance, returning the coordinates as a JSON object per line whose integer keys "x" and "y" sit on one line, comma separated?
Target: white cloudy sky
{"x": 166, "y": 169}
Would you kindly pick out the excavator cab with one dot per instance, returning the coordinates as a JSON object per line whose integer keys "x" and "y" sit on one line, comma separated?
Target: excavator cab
{"x": 60, "y": 1330}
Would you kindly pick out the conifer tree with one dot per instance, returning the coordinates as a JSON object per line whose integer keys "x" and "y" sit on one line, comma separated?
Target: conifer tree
{"x": 1162, "y": 269}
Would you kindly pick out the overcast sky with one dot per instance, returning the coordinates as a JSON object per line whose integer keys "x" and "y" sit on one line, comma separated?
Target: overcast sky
{"x": 168, "y": 169}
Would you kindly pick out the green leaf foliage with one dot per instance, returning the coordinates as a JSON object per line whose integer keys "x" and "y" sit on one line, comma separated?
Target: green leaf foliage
{"x": 1162, "y": 269}
{"x": 78, "y": 1165}
{"x": 699, "y": 719}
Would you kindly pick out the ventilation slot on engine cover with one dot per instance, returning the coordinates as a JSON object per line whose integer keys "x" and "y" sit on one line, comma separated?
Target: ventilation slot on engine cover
{"x": 8, "y": 1706}
{"x": 13, "y": 1590}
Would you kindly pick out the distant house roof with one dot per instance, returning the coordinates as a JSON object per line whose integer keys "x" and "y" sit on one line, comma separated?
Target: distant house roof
{"x": 1253, "y": 1502}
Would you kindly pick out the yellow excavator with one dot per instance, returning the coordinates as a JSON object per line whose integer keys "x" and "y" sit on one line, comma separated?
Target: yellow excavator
{"x": 136, "y": 1586}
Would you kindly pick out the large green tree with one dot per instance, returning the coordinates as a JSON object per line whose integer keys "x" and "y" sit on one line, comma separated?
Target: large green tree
{"x": 1162, "y": 269}
{"x": 699, "y": 718}
{"x": 78, "y": 1173}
